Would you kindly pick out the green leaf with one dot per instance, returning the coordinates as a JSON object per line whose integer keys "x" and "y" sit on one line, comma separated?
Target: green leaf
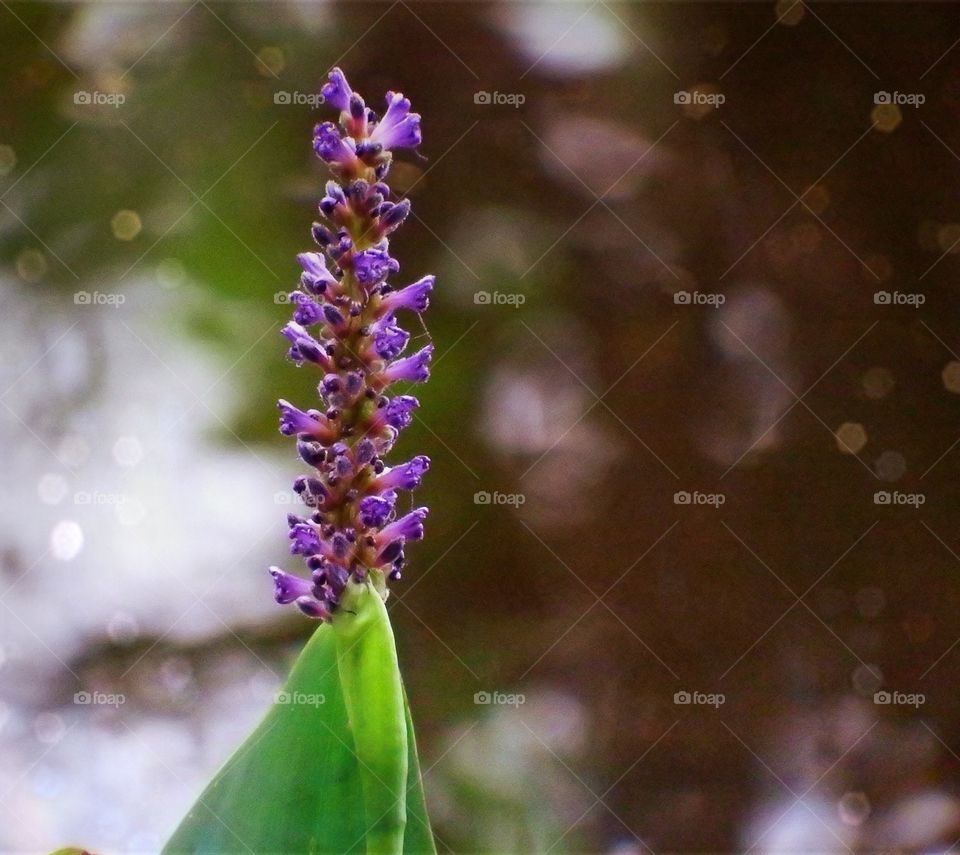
{"x": 296, "y": 785}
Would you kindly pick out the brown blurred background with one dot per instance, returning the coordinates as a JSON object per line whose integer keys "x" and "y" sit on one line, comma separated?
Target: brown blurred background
{"x": 693, "y": 420}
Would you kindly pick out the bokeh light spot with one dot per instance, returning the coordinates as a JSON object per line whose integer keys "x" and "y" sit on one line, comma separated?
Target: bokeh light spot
{"x": 886, "y": 117}
{"x": 31, "y": 265}
{"x": 851, "y": 437}
{"x": 66, "y": 540}
{"x": 52, "y": 488}
{"x": 853, "y": 808}
{"x": 271, "y": 60}
{"x": 126, "y": 225}
{"x": 127, "y": 451}
{"x": 891, "y": 466}
{"x": 877, "y": 382}
{"x": 789, "y": 12}
{"x": 951, "y": 376}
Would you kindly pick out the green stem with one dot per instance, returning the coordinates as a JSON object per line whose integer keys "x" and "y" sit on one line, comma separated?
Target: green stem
{"x": 373, "y": 694}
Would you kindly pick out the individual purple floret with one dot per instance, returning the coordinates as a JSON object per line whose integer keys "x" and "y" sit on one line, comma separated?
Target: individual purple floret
{"x": 344, "y": 324}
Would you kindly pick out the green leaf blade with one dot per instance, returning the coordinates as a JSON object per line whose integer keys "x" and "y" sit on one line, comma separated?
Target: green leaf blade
{"x": 295, "y": 785}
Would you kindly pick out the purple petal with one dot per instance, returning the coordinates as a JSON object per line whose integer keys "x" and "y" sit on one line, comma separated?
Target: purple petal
{"x": 337, "y": 91}
{"x": 415, "y": 297}
{"x": 414, "y": 369}
{"x": 408, "y": 527}
{"x": 399, "y": 128}
{"x": 287, "y": 588}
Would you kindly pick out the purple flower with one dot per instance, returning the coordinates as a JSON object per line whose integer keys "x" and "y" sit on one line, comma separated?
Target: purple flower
{"x": 415, "y": 297}
{"x": 295, "y": 422}
{"x": 406, "y": 476}
{"x": 398, "y": 413}
{"x": 305, "y": 540}
{"x": 399, "y": 128}
{"x": 303, "y": 346}
{"x": 333, "y": 148}
{"x": 350, "y": 529}
{"x": 315, "y": 277}
{"x": 337, "y": 92}
{"x": 414, "y": 369}
{"x": 408, "y": 527}
{"x": 372, "y": 266}
{"x": 389, "y": 340}
{"x": 287, "y": 588}
{"x": 391, "y": 217}
{"x": 308, "y": 311}
{"x": 376, "y": 510}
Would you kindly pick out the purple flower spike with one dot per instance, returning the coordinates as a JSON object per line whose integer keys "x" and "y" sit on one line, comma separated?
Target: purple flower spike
{"x": 399, "y": 128}
{"x": 415, "y": 297}
{"x": 414, "y": 369}
{"x": 349, "y": 528}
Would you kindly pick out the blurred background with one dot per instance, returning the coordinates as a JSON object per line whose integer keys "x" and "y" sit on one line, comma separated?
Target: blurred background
{"x": 691, "y": 577}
